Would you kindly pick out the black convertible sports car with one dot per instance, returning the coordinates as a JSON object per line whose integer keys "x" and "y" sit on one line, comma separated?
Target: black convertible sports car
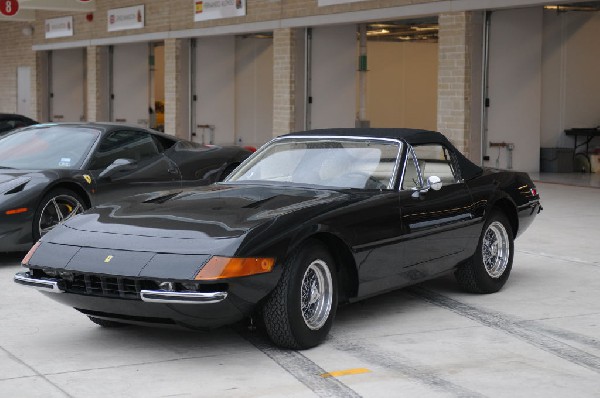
{"x": 50, "y": 172}
{"x": 311, "y": 220}
{"x": 11, "y": 121}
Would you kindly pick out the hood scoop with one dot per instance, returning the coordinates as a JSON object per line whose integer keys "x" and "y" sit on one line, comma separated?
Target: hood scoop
{"x": 162, "y": 198}
{"x": 258, "y": 203}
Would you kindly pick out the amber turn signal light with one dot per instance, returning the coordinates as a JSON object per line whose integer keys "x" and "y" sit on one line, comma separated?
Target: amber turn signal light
{"x": 17, "y": 211}
{"x": 231, "y": 267}
{"x": 25, "y": 261}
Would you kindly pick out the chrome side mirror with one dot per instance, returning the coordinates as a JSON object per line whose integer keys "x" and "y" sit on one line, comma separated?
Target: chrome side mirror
{"x": 434, "y": 182}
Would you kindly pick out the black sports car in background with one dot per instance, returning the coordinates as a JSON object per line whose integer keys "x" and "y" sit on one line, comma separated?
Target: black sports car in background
{"x": 11, "y": 121}
{"x": 311, "y": 220}
{"x": 50, "y": 172}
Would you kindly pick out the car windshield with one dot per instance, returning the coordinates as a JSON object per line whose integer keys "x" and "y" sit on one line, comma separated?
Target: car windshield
{"x": 46, "y": 147}
{"x": 332, "y": 162}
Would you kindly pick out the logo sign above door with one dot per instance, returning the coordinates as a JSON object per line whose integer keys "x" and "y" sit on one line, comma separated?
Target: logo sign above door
{"x": 59, "y": 27}
{"x": 217, "y": 9}
{"x": 126, "y": 18}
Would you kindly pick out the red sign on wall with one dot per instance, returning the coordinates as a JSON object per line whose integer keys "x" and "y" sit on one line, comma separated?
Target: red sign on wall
{"x": 9, "y": 7}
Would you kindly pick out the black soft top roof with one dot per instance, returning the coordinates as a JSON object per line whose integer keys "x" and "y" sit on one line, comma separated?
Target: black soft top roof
{"x": 411, "y": 136}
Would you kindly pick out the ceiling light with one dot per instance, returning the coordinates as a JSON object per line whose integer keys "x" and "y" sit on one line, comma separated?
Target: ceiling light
{"x": 425, "y": 28}
{"x": 378, "y": 32}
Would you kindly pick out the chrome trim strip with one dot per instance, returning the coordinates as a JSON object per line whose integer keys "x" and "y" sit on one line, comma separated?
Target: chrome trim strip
{"x": 337, "y": 137}
{"x": 44, "y": 285}
{"x": 164, "y": 297}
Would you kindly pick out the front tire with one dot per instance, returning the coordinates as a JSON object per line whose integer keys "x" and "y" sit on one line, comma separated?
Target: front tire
{"x": 56, "y": 207}
{"x": 300, "y": 311}
{"x": 489, "y": 268}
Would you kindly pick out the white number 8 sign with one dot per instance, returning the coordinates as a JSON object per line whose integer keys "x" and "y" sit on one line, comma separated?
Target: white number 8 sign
{"x": 9, "y": 7}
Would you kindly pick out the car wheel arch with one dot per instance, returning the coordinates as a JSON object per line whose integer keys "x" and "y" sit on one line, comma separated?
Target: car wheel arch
{"x": 508, "y": 208}
{"x": 344, "y": 260}
{"x": 71, "y": 186}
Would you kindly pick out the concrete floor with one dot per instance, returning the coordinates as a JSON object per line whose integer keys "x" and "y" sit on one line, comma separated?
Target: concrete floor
{"x": 539, "y": 336}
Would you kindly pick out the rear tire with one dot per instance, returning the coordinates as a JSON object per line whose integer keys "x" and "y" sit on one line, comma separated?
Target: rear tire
{"x": 300, "y": 311}
{"x": 106, "y": 323}
{"x": 489, "y": 268}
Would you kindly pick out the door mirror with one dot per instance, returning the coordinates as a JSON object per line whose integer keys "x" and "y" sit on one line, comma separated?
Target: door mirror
{"x": 117, "y": 166}
{"x": 434, "y": 182}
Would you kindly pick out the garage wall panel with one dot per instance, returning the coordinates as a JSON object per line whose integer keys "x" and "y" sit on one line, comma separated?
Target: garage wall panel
{"x": 333, "y": 73}
{"x": 515, "y": 87}
{"x": 570, "y": 69}
{"x": 68, "y": 85}
{"x": 582, "y": 67}
{"x": 215, "y": 88}
{"x": 253, "y": 91}
{"x": 130, "y": 83}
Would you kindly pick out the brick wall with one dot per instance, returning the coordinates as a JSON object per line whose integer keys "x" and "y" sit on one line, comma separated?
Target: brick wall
{"x": 172, "y": 65}
{"x": 15, "y": 48}
{"x": 454, "y": 78}
{"x": 164, "y": 16}
{"x": 176, "y": 15}
{"x": 283, "y": 81}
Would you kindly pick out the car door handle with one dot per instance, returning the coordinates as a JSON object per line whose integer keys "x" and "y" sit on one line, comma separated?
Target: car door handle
{"x": 173, "y": 171}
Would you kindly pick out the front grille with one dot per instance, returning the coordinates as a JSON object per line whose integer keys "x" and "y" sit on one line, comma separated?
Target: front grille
{"x": 106, "y": 286}
{"x": 112, "y": 286}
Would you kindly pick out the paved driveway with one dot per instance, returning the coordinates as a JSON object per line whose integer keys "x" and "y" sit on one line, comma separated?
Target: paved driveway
{"x": 540, "y": 336}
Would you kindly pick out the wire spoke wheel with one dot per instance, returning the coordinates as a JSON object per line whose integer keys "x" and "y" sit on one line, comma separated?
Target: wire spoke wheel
{"x": 495, "y": 249}
{"x": 489, "y": 268}
{"x": 299, "y": 312}
{"x": 57, "y": 210}
{"x": 316, "y": 294}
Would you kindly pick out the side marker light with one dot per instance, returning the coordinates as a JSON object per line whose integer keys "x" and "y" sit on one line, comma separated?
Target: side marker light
{"x": 17, "y": 211}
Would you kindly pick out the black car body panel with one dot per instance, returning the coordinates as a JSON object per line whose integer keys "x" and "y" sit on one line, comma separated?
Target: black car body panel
{"x": 381, "y": 239}
{"x": 11, "y": 121}
{"x": 178, "y": 163}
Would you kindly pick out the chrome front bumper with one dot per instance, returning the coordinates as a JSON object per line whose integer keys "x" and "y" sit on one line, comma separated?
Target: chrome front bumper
{"x": 162, "y": 296}
{"x": 45, "y": 285}
{"x": 148, "y": 296}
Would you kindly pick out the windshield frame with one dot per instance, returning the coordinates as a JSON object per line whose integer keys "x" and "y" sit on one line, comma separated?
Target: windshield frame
{"x": 391, "y": 185}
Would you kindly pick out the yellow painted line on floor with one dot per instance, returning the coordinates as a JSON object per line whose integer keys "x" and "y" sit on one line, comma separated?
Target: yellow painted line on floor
{"x": 347, "y": 372}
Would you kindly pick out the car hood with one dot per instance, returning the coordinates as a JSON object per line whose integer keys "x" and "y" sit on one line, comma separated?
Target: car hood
{"x": 10, "y": 174}
{"x": 212, "y": 219}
